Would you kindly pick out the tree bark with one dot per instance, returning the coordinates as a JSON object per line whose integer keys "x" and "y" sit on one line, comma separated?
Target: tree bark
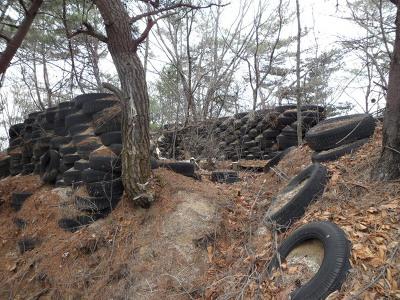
{"x": 298, "y": 92}
{"x": 388, "y": 166}
{"x": 135, "y": 122}
{"x": 16, "y": 41}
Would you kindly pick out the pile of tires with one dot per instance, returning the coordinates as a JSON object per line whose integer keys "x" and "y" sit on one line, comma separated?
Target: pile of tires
{"x": 254, "y": 135}
{"x": 333, "y": 138}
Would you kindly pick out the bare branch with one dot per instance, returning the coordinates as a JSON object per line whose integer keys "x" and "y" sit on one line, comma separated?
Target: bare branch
{"x": 145, "y": 33}
{"x": 171, "y": 7}
{"x": 89, "y": 31}
{"x": 3, "y": 36}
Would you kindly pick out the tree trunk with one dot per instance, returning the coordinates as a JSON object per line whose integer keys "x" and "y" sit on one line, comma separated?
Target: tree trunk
{"x": 388, "y": 166}
{"x": 16, "y": 41}
{"x": 298, "y": 92}
{"x": 135, "y": 122}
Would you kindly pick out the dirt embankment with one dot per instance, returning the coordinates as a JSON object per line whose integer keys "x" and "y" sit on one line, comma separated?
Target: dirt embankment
{"x": 199, "y": 239}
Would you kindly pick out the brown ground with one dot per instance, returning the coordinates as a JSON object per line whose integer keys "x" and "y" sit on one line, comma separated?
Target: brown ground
{"x": 153, "y": 254}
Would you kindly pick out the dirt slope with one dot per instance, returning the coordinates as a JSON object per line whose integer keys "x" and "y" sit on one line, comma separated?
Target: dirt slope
{"x": 199, "y": 240}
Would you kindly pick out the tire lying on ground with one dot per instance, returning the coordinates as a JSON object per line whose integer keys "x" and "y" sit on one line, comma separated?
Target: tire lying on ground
{"x": 18, "y": 199}
{"x": 335, "y": 153}
{"x": 224, "y": 176}
{"x": 113, "y": 137}
{"x": 291, "y": 202}
{"x": 277, "y": 158}
{"x": 183, "y": 168}
{"x": 49, "y": 165}
{"x": 332, "y": 133}
{"x": 319, "y": 252}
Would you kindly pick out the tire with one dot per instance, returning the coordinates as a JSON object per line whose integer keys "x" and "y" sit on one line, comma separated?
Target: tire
{"x": 183, "y": 168}
{"x": 335, "y": 153}
{"x": 76, "y": 118}
{"x": 67, "y": 149}
{"x": 75, "y": 129}
{"x": 282, "y": 108}
{"x": 76, "y": 139}
{"x": 62, "y": 113}
{"x": 28, "y": 169}
{"x": 80, "y": 100}
{"x": 313, "y": 180}
{"x": 285, "y": 142}
{"x": 116, "y": 148}
{"x": 56, "y": 142}
{"x": 71, "y": 158}
{"x": 15, "y": 130}
{"x": 95, "y": 106}
{"x": 65, "y": 104}
{"x": 65, "y": 167}
{"x": 224, "y": 176}
{"x": 290, "y": 113}
{"x": 332, "y": 133}
{"x": 95, "y": 204}
{"x": 50, "y": 116}
{"x": 113, "y": 137}
{"x": 335, "y": 264}
{"x": 277, "y": 158}
{"x": 271, "y": 133}
{"x": 108, "y": 126}
{"x": 81, "y": 164}
{"x": 105, "y": 163}
{"x": 74, "y": 224}
{"x": 72, "y": 176}
{"x": 88, "y": 145}
{"x": 253, "y": 133}
{"x": 284, "y": 121}
{"x": 90, "y": 175}
{"x": 312, "y": 107}
{"x": 107, "y": 189}
{"x": 18, "y": 199}
{"x": 61, "y": 131}
{"x": 49, "y": 165}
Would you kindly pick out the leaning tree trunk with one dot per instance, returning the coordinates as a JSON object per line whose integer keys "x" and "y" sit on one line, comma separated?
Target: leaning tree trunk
{"x": 135, "y": 122}
{"x": 388, "y": 166}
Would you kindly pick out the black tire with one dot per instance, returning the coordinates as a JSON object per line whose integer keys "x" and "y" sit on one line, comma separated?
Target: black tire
{"x": 335, "y": 264}
{"x": 76, "y": 129}
{"x": 81, "y": 164}
{"x": 313, "y": 180}
{"x": 253, "y": 133}
{"x": 224, "y": 176}
{"x": 312, "y": 107}
{"x": 72, "y": 176}
{"x": 285, "y": 142}
{"x": 290, "y": 113}
{"x": 49, "y": 165}
{"x": 28, "y": 169}
{"x": 61, "y": 131}
{"x": 18, "y": 199}
{"x": 67, "y": 149}
{"x": 338, "y": 131}
{"x": 77, "y": 118}
{"x": 284, "y": 121}
{"x": 65, "y": 104}
{"x": 64, "y": 167}
{"x": 88, "y": 145}
{"x": 15, "y": 130}
{"x": 183, "y": 168}
{"x": 74, "y": 224}
{"x": 335, "y": 153}
{"x": 76, "y": 139}
{"x": 71, "y": 158}
{"x": 105, "y": 163}
{"x": 116, "y": 148}
{"x": 56, "y": 142}
{"x": 271, "y": 133}
{"x": 107, "y": 189}
{"x": 113, "y": 137}
{"x": 94, "y": 204}
{"x": 90, "y": 97}
{"x": 62, "y": 113}
{"x": 98, "y": 105}
{"x": 90, "y": 175}
{"x": 277, "y": 158}
{"x": 108, "y": 126}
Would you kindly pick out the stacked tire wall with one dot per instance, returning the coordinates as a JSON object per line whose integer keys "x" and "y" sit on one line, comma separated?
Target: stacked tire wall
{"x": 76, "y": 143}
{"x": 253, "y": 135}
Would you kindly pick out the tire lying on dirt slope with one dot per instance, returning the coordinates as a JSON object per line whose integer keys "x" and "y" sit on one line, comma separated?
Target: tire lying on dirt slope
{"x": 277, "y": 158}
{"x": 338, "y": 131}
{"x": 291, "y": 202}
{"x": 335, "y": 153}
{"x": 184, "y": 168}
{"x": 320, "y": 252}
{"x": 49, "y": 165}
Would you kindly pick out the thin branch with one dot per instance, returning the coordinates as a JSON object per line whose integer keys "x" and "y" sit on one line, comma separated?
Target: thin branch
{"x": 172, "y": 7}
{"x": 3, "y": 36}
